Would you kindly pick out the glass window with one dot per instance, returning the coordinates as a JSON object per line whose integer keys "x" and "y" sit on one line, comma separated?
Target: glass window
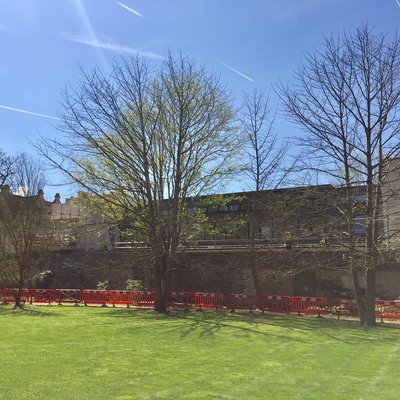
{"x": 360, "y": 225}
{"x": 360, "y": 198}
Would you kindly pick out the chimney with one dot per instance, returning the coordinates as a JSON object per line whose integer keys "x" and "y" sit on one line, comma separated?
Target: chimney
{"x": 57, "y": 198}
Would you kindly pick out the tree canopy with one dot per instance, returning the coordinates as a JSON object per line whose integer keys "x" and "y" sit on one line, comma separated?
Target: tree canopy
{"x": 144, "y": 140}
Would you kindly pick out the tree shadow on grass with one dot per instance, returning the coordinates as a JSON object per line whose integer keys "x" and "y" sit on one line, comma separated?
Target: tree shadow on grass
{"x": 27, "y": 310}
{"x": 210, "y": 323}
{"x": 204, "y": 324}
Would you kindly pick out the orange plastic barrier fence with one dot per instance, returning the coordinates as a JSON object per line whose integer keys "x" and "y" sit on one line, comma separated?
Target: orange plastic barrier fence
{"x": 209, "y": 300}
{"x": 279, "y": 304}
{"x": 144, "y": 299}
{"x": 389, "y": 309}
{"x": 8, "y": 295}
{"x": 42, "y": 296}
{"x": 120, "y": 297}
{"x": 94, "y": 297}
{"x": 68, "y": 296}
{"x": 343, "y": 307}
{"x": 241, "y": 302}
{"x": 181, "y": 300}
{"x": 308, "y": 305}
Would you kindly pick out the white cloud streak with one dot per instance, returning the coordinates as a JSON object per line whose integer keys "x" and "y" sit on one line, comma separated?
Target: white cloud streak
{"x": 128, "y": 8}
{"x": 398, "y": 2}
{"x": 234, "y": 70}
{"x": 112, "y": 46}
{"x": 28, "y": 112}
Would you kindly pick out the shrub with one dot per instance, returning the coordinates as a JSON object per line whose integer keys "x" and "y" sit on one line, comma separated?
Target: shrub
{"x": 42, "y": 278}
{"x": 102, "y": 285}
{"x": 133, "y": 284}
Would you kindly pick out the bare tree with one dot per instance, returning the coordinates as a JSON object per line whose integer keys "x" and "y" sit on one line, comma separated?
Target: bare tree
{"x": 144, "y": 141}
{"x": 265, "y": 168}
{"x": 25, "y": 234}
{"x": 347, "y": 99}
{"x": 6, "y": 170}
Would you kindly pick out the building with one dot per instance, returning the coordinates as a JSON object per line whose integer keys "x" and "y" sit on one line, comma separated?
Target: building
{"x": 309, "y": 217}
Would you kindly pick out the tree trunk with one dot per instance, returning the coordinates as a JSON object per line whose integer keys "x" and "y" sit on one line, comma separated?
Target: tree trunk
{"x": 161, "y": 285}
{"x": 252, "y": 255}
{"x": 358, "y": 297}
{"x": 18, "y": 296}
{"x": 370, "y": 318}
{"x": 253, "y": 269}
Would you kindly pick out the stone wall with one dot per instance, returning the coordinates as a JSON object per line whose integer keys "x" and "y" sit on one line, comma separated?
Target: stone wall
{"x": 213, "y": 271}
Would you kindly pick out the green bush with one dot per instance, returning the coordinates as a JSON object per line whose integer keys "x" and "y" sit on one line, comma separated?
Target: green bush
{"x": 133, "y": 284}
{"x": 42, "y": 278}
{"x": 102, "y": 285}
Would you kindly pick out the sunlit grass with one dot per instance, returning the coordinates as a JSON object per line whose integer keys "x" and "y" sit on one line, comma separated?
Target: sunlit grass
{"x": 96, "y": 353}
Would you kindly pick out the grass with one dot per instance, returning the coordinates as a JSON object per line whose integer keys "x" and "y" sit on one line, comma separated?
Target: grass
{"x": 118, "y": 354}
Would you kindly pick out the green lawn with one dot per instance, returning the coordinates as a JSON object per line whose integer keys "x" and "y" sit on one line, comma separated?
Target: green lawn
{"x": 96, "y": 353}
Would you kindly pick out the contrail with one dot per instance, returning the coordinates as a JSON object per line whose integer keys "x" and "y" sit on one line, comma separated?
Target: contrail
{"x": 398, "y": 2}
{"x": 112, "y": 46}
{"x": 28, "y": 112}
{"x": 129, "y": 9}
{"x": 235, "y": 70}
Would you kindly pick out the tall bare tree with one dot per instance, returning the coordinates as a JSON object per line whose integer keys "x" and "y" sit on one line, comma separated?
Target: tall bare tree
{"x": 265, "y": 167}
{"x": 347, "y": 98}
{"x": 144, "y": 140}
{"x": 25, "y": 234}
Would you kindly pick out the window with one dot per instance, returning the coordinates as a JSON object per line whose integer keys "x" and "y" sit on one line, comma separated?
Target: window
{"x": 359, "y": 225}
{"x": 266, "y": 230}
{"x": 360, "y": 198}
{"x": 234, "y": 207}
{"x": 191, "y": 210}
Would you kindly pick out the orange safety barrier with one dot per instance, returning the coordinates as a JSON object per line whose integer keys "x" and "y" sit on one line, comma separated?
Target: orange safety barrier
{"x": 389, "y": 309}
{"x": 8, "y": 295}
{"x": 94, "y": 297}
{"x": 144, "y": 299}
{"x": 121, "y": 297}
{"x": 68, "y": 296}
{"x": 343, "y": 307}
{"x": 241, "y": 302}
{"x": 309, "y": 305}
{"x": 42, "y": 295}
{"x": 181, "y": 300}
{"x": 209, "y": 300}
{"x": 280, "y": 304}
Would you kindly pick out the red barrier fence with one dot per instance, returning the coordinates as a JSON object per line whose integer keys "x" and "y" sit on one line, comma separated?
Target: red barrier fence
{"x": 94, "y": 297}
{"x": 144, "y": 299}
{"x": 8, "y": 295}
{"x": 181, "y": 300}
{"x": 209, "y": 300}
{"x": 280, "y": 304}
{"x": 121, "y": 297}
{"x": 68, "y": 296}
{"x": 42, "y": 296}
{"x": 389, "y": 309}
{"x": 241, "y": 302}
{"x": 343, "y": 307}
{"x": 308, "y": 305}
{"x": 385, "y": 309}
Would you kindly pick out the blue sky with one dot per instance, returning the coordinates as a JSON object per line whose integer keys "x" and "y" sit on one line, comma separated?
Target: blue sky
{"x": 251, "y": 44}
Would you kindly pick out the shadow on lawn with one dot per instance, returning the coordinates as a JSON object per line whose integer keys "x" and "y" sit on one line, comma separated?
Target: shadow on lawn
{"x": 208, "y": 324}
{"x": 31, "y": 311}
